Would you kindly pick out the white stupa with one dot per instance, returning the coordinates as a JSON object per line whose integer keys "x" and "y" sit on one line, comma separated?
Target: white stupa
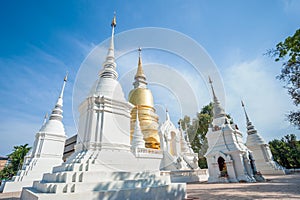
{"x": 137, "y": 137}
{"x": 47, "y": 150}
{"x": 104, "y": 166}
{"x": 261, "y": 150}
{"x": 228, "y": 159}
{"x": 179, "y": 158}
{"x": 177, "y": 154}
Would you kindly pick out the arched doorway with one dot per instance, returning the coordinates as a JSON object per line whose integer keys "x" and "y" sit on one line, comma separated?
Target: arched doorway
{"x": 222, "y": 167}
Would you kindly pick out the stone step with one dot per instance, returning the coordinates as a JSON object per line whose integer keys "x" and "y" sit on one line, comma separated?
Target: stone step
{"x": 97, "y": 186}
{"x": 89, "y": 176}
{"x": 171, "y": 191}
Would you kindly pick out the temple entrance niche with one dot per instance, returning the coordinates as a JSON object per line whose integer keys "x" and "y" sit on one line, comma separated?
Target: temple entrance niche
{"x": 222, "y": 167}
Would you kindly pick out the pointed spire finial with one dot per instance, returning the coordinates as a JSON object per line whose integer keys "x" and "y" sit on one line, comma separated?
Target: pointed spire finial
{"x": 218, "y": 111}
{"x": 247, "y": 118}
{"x": 212, "y": 88}
{"x": 209, "y": 80}
{"x": 64, "y": 84}
{"x": 66, "y": 76}
{"x": 250, "y": 128}
{"x": 114, "y": 20}
{"x": 57, "y": 110}
{"x": 140, "y": 78}
{"x": 140, "y": 71}
{"x": 167, "y": 115}
{"x": 109, "y": 65}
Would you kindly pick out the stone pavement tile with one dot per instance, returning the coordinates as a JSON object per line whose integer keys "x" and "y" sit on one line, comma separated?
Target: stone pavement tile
{"x": 277, "y": 187}
{"x": 10, "y": 196}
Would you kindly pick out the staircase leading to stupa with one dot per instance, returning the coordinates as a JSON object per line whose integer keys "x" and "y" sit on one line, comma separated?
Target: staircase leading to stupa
{"x": 81, "y": 178}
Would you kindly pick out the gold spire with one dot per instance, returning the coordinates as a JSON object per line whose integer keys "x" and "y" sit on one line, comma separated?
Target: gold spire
{"x": 142, "y": 98}
{"x": 140, "y": 71}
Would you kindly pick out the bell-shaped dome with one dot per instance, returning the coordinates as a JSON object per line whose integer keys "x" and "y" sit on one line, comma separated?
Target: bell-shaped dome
{"x": 108, "y": 87}
{"x": 141, "y": 96}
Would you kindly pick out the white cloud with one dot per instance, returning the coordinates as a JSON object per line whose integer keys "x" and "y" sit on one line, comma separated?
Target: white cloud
{"x": 30, "y": 88}
{"x": 267, "y": 102}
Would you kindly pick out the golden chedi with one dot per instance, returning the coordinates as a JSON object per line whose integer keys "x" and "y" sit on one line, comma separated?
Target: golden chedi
{"x": 142, "y": 98}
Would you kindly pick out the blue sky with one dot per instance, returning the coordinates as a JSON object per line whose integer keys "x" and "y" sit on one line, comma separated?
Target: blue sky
{"x": 40, "y": 40}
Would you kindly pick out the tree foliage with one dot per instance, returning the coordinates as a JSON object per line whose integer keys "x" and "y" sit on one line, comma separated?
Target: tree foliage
{"x": 288, "y": 52}
{"x": 197, "y": 129}
{"x": 6, "y": 173}
{"x": 16, "y": 159}
{"x": 286, "y": 151}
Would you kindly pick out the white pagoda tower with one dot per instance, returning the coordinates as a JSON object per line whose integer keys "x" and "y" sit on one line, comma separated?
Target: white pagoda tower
{"x": 137, "y": 140}
{"x": 178, "y": 155}
{"x": 261, "y": 150}
{"x": 47, "y": 150}
{"x": 104, "y": 166}
{"x": 228, "y": 159}
{"x": 179, "y": 158}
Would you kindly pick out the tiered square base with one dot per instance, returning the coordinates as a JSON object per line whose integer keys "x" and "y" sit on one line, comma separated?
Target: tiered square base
{"x": 106, "y": 174}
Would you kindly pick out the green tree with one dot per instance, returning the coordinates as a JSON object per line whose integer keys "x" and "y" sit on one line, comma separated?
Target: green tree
{"x": 197, "y": 129}
{"x": 286, "y": 151}
{"x": 7, "y": 172}
{"x": 288, "y": 52}
{"x": 16, "y": 159}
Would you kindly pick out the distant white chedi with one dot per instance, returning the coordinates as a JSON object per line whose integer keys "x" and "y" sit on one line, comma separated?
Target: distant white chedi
{"x": 261, "y": 150}
{"x": 179, "y": 158}
{"x": 47, "y": 150}
{"x": 228, "y": 159}
{"x": 104, "y": 164}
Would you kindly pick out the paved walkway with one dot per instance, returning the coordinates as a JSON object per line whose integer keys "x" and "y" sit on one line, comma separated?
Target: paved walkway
{"x": 10, "y": 196}
{"x": 276, "y": 187}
